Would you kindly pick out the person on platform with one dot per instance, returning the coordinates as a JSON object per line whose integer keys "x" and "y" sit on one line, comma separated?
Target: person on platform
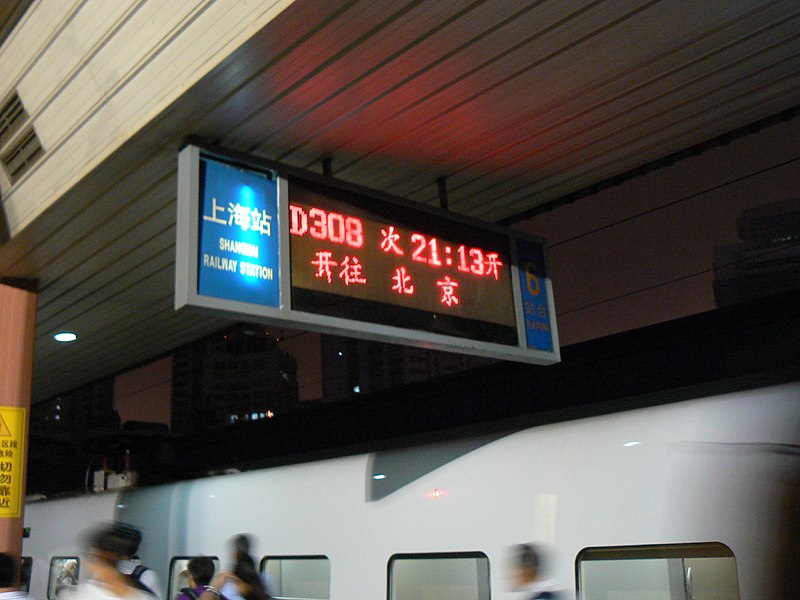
{"x": 128, "y": 566}
{"x": 243, "y": 581}
{"x": 9, "y": 571}
{"x": 199, "y": 572}
{"x": 107, "y": 545}
{"x": 529, "y": 576}
{"x": 68, "y": 576}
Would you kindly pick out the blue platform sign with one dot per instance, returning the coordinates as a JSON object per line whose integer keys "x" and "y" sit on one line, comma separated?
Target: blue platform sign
{"x": 238, "y": 250}
{"x": 533, "y": 284}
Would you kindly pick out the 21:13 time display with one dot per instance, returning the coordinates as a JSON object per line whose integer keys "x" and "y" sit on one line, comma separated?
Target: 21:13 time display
{"x": 468, "y": 260}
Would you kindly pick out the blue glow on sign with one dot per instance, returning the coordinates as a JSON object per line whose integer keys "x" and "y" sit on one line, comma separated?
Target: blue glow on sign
{"x": 238, "y": 254}
{"x": 538, "y": 331}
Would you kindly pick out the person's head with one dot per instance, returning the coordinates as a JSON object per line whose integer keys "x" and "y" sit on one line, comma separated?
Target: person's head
{"x": 116, "y": 541}
{"x": 526, "y": 564}
{"x": 8, "y": 570}
{"x": 107, "y": 544}
{"x": 241, "y": 545}
{"x": 201, "y": 570}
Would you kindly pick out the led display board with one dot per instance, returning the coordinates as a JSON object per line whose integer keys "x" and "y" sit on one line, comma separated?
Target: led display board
{"x": 347, "y": 259}
{"x": 262, "y": 241}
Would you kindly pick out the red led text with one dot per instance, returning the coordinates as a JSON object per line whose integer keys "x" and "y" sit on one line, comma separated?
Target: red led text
{"x": 330, "y": 226}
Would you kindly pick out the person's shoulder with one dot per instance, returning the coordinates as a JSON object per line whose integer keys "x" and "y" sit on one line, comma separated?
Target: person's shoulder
{"x": 88, "y": 590}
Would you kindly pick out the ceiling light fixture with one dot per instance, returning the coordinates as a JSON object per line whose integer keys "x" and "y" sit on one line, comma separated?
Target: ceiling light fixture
{"x": 65, "y": 336}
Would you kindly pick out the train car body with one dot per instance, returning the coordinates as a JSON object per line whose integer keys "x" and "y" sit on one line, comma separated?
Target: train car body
{"x": 721, "y": 468}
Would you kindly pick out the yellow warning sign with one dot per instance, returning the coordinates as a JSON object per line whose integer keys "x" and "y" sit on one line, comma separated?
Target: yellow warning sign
{"x": 12, "y": 460}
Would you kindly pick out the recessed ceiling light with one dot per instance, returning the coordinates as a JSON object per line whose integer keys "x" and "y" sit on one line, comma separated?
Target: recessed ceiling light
{"x": 65, "y": 336}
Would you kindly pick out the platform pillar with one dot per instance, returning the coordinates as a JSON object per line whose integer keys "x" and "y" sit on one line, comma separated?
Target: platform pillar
{"x": 17, "y": 328}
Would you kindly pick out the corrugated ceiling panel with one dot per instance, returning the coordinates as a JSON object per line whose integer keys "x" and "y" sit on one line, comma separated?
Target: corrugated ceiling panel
{"x": 517, "y": 103}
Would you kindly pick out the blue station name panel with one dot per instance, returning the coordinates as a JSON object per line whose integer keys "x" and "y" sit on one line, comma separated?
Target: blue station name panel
{"x": 239, "y": 250}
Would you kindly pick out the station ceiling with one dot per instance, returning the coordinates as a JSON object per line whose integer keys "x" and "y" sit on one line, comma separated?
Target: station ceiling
{"x": 519, "y": 105}
{"x": 11, "y": 12}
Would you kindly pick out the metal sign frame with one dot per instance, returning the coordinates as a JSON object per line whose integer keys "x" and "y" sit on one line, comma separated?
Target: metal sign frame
{"x": 187, "y": 268}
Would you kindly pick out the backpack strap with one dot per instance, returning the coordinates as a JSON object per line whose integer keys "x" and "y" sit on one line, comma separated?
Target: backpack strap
{"x": 134, "y": 582}
{"x": 137, "y": 571}
{"x": 135, "y": 579}
{"x": 189, "y": 592}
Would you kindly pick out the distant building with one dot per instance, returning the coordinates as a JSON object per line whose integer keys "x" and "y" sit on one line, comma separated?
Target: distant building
{"x": 76, "y": 412}
{"x": 354, "y": 366}
{"x": 237, "y": 375}
{"x": 768, "y": 260}
{"x": 71, "y": 431}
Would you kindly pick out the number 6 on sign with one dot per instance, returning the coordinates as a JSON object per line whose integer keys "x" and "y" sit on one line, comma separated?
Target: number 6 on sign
{"x": 531, "y": 279}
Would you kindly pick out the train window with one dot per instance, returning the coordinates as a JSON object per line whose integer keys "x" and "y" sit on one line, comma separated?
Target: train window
{"x": 449, "y": 576}
{"x": 178, "y": 566}
{"x": 703, "y": 571}
{"x": 298, "y": 577}
{"x": 64, "y": 571}
{"x": 26, "y": 567}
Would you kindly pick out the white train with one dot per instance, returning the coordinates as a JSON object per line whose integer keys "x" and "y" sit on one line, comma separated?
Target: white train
{"x": 688, "y": 500}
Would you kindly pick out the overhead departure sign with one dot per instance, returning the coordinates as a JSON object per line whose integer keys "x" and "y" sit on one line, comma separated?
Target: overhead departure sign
{"x": 12, "y": 460}
{"x": 258, "y": 240}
